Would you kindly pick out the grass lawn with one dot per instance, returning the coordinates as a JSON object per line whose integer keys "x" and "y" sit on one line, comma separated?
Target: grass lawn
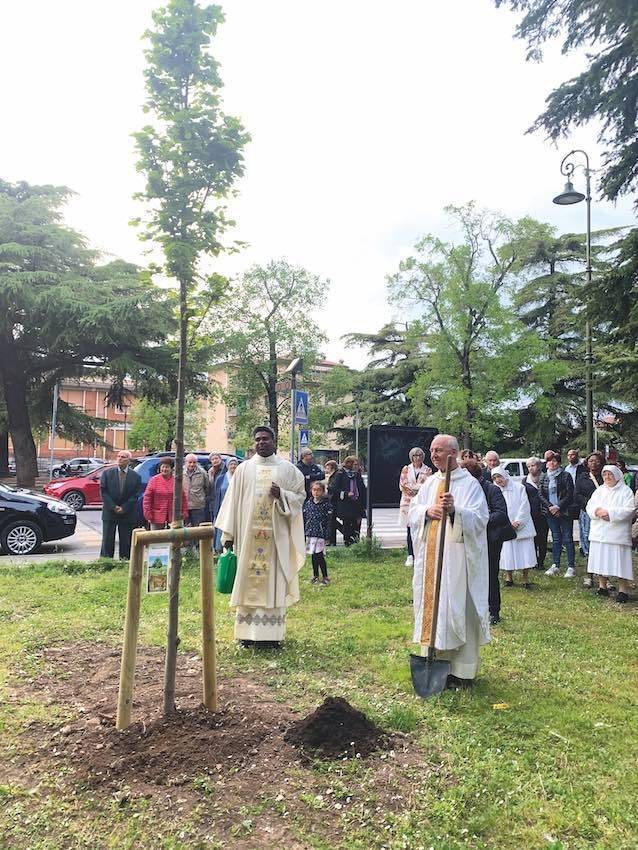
{"x": 542, "y": 753}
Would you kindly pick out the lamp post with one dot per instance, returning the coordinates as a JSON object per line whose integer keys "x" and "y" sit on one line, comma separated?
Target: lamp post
{"x": 295, "y": 368}
{"x": 568, "y": 197}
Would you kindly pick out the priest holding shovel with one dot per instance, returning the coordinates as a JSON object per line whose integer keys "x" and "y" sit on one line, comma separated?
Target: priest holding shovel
{"x": 448, "y": 519}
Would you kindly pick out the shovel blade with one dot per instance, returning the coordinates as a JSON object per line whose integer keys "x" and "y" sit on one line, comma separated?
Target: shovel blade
{"x": 428, "y": 677}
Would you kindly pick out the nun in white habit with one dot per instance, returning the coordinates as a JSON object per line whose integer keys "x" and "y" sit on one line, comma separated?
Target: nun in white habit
{"x": 520, "y": 553}
{"x": 611, "y": 509}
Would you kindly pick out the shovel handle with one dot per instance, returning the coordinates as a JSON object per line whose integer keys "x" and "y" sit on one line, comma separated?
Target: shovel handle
{"x": 439, "y": 566}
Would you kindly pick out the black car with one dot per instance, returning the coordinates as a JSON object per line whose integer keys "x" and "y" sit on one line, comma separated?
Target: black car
{"x": 28, "y": 519}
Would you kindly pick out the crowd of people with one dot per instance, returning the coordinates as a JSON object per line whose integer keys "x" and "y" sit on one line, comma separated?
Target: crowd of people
{"x": 600, "y": 497}
{"x": 335, "y": 499}
{"x": 274, "y": 514}
{"x": 202, "y": 496}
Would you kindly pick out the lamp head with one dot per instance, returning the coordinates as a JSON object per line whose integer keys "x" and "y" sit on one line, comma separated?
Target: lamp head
{"x": 569, "y": 195}
{"x": 295, "y": 367}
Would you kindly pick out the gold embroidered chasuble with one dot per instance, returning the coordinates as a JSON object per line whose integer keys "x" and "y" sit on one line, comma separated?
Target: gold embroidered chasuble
{"x": 269, "y": 541}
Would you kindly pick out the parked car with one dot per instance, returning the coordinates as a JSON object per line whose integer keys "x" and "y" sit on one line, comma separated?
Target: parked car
{"x": 79, "y": 492}
{"x": 84, "y": 490}
{"x": 27, "y": 519}
{"x": 76, "y": 466}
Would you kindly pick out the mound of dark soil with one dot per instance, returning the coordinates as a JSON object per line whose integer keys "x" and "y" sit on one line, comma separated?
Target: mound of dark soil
{"x": 336, "y": 729}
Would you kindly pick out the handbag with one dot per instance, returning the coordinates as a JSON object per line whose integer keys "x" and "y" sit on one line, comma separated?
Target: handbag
{"x": 226, "y": 572}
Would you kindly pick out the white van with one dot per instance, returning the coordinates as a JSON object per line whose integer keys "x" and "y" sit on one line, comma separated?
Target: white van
{"x": 516, "y": 467}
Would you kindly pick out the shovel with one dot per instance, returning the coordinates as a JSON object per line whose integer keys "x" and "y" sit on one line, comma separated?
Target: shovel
{"x": 429, "y": 677}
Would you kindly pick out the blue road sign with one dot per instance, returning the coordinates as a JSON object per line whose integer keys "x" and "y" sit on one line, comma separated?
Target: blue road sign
{"x": 304, "y": 439}
{"x": 301, "y": 407}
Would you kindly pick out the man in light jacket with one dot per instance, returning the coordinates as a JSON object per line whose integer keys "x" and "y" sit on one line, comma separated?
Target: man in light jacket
{"x": 196, "y": 487}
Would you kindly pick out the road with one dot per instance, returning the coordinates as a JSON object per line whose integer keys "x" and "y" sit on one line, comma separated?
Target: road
{"x": 85, "y": 543}
{"x": 83, "y": 546}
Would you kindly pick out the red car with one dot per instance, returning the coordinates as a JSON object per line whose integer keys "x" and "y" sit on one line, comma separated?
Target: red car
{"x": 78, "y": 492}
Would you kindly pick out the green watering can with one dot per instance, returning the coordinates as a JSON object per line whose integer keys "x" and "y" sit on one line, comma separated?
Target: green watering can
{"x": 226, "y": 571}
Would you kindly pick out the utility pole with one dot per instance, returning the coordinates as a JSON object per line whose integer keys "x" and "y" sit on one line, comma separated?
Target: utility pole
{"x": 54, "y": 425}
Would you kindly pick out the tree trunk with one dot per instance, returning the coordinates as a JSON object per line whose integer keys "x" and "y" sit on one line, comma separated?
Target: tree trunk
{"x": 15, "y": 397}
{"x": 172, "y": 636}
{"x": 4, "y": 454}
{"x": 470, "y": 412}
{"x": 273, "y": 413}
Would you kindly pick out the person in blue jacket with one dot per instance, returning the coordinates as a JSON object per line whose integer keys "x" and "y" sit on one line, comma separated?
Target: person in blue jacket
{"x": 221, "y": 486}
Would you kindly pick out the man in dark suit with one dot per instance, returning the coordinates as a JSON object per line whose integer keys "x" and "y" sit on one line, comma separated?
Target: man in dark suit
{"x": 120, "y": 487}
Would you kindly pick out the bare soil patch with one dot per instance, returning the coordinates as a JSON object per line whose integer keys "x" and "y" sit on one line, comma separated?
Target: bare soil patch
{"x": 244, "y": 773}
{"x": 337, "y": 730}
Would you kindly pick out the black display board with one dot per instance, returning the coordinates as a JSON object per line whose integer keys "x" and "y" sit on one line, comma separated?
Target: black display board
{"x": 388, "y": 449}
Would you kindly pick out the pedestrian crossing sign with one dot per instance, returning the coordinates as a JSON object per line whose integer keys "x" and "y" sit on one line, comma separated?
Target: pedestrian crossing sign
{"x": 301, "y": 407}
{"x": 304, "y": 439}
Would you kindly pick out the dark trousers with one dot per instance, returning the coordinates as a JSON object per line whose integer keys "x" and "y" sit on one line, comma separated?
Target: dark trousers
{"x": 319, "y": 563}
{"x": 494, "y": 592}
{"x": 540, "y": 541}
{"x": 410, "y": 546}
{"x": 196, "y": 516}
{"x": 350, "y": 530}
{"x": 335, "y": 526}
{"x": 562, "y": 535}
{"x": 124, "y": 529}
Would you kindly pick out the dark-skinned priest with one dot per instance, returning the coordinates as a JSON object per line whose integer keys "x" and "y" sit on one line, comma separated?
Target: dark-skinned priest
{"x": 261, "y": 516}
{"x": 463, "y": 621}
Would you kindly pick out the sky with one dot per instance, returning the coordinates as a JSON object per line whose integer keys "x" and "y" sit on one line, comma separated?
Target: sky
{"x": 367, "y": 118}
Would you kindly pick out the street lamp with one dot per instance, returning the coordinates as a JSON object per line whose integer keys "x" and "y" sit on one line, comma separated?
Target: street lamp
{"x": 295, "y": 368}
{"x": 568, "y": 197}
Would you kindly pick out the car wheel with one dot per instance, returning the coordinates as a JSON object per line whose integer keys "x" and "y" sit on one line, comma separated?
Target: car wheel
{"x": 21, "y": 538}
{"x": 74, "y": 499}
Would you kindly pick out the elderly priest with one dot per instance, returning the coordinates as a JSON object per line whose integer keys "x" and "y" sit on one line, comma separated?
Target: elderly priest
{"x": 463, "y": 621}
{"x": 261, "y": 516}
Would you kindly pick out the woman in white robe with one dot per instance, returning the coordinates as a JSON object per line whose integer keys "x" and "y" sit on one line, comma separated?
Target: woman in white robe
{"x": 519, "y": 553}
{"x": 611, "y": 509}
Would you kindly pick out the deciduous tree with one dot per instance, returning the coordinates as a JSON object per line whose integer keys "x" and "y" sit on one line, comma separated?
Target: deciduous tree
{"x": 470, "y": 383}
{"x": 269, "y": 317}
{"x": 153, "y": 426}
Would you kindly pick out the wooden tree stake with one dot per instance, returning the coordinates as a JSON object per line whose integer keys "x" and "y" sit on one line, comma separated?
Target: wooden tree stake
{"x": 208, "y": 624}
{"x": 131, "y": 629}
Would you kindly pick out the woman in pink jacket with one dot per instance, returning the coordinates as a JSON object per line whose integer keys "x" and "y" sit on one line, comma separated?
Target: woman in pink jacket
{"x": 158, "y": 497}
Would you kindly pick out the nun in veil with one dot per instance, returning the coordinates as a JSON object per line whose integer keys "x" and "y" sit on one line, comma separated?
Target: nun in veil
{"x": 611, "y": 509}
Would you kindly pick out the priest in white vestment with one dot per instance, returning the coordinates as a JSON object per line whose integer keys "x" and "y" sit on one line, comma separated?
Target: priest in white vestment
{"x": 261, "y": 515}
{"x": 463, "y": 621}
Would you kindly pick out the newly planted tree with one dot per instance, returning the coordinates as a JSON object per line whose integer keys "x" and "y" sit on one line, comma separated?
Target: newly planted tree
{"x": 190, "y": 154}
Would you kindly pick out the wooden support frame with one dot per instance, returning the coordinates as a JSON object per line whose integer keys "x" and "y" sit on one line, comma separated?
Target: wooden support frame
{"x": 204, "y": 534}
